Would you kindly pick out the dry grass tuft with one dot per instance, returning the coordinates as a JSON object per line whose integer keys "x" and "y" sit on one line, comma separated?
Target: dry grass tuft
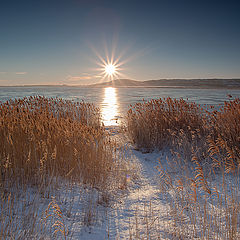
{"x": 54, "y": 213}
{"x": 224, "y": 139}
{"x": 43, "y": 137}
{"x": 184, "y": 125}
{"x": 154, "y": 124}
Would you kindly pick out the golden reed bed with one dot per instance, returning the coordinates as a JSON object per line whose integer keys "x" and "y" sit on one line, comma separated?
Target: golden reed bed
{"x": 45, "y": 137}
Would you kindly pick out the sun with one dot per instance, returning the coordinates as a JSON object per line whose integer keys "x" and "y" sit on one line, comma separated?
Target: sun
{"x": 110, "y": 65}
{"x": 110, "y": 69}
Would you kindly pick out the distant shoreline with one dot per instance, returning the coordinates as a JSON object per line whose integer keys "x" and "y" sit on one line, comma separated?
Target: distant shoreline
{"x": 176, "y": 87}
{"x": 233, "y": 83}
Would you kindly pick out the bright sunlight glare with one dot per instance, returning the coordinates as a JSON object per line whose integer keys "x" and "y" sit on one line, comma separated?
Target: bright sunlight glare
{"x": 110, "y": 66}
{"x": 110, "y": 107}
{"x": 110, "y": 69}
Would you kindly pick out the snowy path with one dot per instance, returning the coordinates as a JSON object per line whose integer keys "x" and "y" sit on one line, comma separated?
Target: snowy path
{"x": 141, "y": 211}
{"x": 138, "y": 215}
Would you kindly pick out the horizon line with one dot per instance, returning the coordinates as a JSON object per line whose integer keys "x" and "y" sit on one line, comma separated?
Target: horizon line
{"x": 71, "y": 85}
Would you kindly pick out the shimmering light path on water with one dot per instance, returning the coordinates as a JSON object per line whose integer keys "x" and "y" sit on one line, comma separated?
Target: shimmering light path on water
{"x": 114, "y": 102}
{"x": 109, "y": 107}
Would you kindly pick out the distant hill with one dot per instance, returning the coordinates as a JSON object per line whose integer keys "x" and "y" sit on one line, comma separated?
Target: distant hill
{"x": 232, "y": 83}
{"x": 178, "y": 83}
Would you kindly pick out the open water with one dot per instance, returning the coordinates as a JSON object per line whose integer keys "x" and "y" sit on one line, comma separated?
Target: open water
{"x": 114, "y": 102}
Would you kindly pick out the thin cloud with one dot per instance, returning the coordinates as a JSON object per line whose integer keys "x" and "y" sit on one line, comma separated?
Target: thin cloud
{"x": 78, "y": 78}
{"x": 98, "y": 76}
{"x": 21, "y": 73}
{"x": 84, "y": 78}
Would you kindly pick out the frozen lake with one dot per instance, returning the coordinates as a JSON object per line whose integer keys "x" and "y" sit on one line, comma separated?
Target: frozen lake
{"x": 114, "y": 102}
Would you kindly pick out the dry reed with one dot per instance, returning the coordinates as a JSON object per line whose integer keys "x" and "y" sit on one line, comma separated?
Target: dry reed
{"x": 154, "y": 124}
{"x": 205, "y": 147}
{"x": 42, "y": 137}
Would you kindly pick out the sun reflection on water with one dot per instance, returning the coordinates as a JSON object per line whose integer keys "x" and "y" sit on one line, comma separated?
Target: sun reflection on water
{"x": 110, "y": 107}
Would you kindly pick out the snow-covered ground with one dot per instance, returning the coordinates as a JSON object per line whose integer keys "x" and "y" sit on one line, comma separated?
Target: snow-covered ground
{"x": 140, "y": 210}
